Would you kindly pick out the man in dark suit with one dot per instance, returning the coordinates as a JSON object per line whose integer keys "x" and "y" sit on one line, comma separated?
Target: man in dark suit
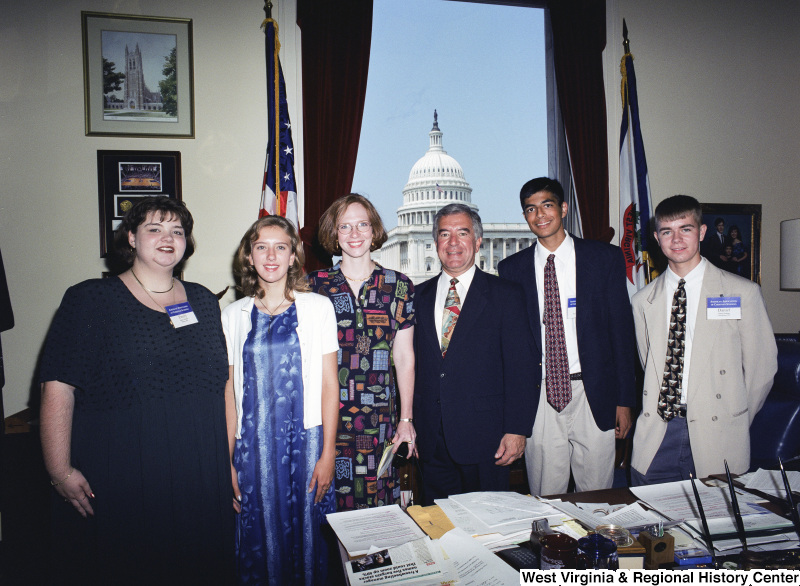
{"x": 715, "y": 243}
{"x": 474, "y": 398}
{"x": 582, "y": 325}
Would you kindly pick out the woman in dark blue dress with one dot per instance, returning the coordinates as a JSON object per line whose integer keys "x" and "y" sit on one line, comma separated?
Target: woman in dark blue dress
{"x": 133, "y": 418}
{"x": 739, "y": 254}
{"x": 282, "y": 410}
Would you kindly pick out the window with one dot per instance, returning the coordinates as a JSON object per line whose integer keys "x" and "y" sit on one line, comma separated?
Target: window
{"x": 394, "y": 133}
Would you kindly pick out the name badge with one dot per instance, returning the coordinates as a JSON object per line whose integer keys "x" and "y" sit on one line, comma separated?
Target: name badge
{"x": 723, "y": 307}
{"x": 181, "y": 314}
{"x": 571, "y": 305}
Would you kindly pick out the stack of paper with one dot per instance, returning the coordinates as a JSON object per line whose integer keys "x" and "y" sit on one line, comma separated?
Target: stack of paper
{"x": 366, "y": 530}
{"x": 771, "y": 482}
{"x": 392, "y": 549}
{"x": 497, "y": 519}
{"x": 675, "y": 500}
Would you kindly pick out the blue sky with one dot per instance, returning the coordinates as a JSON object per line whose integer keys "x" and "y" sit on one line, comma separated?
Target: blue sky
{"x": 482, "y": 68}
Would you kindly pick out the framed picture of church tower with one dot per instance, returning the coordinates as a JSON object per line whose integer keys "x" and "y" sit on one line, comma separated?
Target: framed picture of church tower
{"x": 138, "y": 75}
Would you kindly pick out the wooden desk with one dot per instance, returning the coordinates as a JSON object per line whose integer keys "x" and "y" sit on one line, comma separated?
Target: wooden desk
{"x": 612, "y": 496}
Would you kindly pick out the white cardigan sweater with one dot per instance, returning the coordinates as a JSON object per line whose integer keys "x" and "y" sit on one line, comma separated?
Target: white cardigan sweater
{"x": 317, "y": 333}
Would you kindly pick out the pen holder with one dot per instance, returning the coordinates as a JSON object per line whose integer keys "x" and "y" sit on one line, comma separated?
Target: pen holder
{"x": 658, "y": 550}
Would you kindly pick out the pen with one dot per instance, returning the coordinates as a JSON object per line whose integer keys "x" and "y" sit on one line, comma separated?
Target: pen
{"x": 790, "y": 499}
{"x": 706, "y": 532}
{"x": 737, "y": 514}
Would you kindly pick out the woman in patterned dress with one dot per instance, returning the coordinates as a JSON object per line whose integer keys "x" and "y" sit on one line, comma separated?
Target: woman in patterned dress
{"x": 282, "y": 410}
{"x": 375, "y": 314}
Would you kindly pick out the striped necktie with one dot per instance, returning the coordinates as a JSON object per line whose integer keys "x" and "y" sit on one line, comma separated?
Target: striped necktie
{"x": 452, "y": 309}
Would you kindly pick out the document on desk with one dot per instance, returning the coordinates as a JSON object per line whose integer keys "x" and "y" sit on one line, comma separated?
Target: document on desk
{"x": 417, "y": 562}
{"x": 585, "y": 518}
{"x": 463, "y": 519}
{"x": 381, "y": 527}
{"x": 723, "y": 531}
{"x": 476, "y": 565}
{"x": 496, "y": 509}
{"x": 632, "y": 516}
{"x": 675, "y": 500}
{"x": 771, "y": 482}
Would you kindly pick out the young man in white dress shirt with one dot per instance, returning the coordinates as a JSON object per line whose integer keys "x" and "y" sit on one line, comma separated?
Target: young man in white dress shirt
{"x": 574, "y": 435}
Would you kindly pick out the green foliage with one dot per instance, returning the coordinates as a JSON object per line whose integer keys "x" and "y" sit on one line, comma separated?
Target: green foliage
{"x": 112, "y": 80}
{"x": 169, "y": 85}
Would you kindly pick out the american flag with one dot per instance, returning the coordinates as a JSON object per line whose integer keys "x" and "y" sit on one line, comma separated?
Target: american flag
{"x": 635, "y": 203}
{"x": 278, "y": 189}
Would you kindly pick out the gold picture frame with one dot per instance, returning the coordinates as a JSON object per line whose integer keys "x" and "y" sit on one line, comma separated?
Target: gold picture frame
{"x": 138, "y": 75}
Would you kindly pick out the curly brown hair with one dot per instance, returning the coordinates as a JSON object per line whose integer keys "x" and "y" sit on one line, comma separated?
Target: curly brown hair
{"x": 329, "y": 223}
{"x": 167, "y": 208}
{"x": 249, "y": 284}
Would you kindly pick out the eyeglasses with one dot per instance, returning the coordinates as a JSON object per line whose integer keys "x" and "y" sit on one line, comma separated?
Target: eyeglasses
{"x": 361, "y": 227}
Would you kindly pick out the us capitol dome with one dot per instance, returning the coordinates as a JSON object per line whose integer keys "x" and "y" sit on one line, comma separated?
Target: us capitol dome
{"x": 435, "y": 181}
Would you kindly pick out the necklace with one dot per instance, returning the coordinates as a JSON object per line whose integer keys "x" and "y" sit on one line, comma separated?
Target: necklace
{"x": 171, "y": 287}
{"x": 267, "y": 309}
{"x": 271, "y": 312}
{"x": 147, "y": 292}
{"x": 357, "y": 280}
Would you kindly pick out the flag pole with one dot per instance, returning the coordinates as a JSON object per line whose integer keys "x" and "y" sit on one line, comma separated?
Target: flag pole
{"x": 272, "y": 53}
{"x": 626, "y": 44}
{"x": 626, "y": 51}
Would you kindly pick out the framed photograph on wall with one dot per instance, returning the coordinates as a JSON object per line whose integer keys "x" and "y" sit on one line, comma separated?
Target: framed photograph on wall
{"x": 733, "y": 238}
{"x": 137, "y": 75}
{"x": 125, "y": 177}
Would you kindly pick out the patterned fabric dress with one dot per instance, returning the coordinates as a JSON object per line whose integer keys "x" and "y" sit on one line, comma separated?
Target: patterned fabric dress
{"x": 367, "y": 324}
{"x": 278, "y": 540}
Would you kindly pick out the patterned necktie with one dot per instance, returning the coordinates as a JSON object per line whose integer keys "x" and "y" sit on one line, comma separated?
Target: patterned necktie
{"x": 559, "y": 386}
{"x": 452, "y": 309}
{"x": 669, "y": 399}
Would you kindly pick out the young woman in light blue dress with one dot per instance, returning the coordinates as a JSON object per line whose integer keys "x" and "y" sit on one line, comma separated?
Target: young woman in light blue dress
{"x": 282, "y": 410}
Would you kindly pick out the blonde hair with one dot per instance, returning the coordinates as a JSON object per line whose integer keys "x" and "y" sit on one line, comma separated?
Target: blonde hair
{"x": 249, "y": 284}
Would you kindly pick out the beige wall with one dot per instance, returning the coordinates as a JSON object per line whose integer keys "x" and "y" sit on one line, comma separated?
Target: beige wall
{"x": 718, "y": 87}
{"x": 48, "y": 192}
{"x": 719, "y": 90}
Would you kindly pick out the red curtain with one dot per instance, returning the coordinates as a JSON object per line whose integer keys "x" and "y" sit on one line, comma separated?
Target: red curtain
{"x": 579, "y": 37}
{"x": 336, "y": 39}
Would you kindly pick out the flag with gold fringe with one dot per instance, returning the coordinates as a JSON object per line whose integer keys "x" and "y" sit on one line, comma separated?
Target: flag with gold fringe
{"x": 278, "y": 189}
{"x": 635, "y": 203}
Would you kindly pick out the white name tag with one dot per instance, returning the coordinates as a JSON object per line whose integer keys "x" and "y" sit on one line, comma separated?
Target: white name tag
{"x": 723, "y": 307}
{"x": 181, "y": 314}
{"x": 571, "y": 307}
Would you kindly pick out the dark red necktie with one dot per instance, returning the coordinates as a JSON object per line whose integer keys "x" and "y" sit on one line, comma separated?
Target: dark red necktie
{"x": 559, "y": 386}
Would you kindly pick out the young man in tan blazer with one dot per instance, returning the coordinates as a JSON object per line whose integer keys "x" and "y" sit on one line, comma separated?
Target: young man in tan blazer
{"x": 709, "y": 357}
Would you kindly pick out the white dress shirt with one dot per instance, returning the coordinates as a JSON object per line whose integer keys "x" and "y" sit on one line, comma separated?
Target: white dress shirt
{"x": 566, "y": 276}
{"x": 442, "y": 287}
{"x": 692, "y": 285}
